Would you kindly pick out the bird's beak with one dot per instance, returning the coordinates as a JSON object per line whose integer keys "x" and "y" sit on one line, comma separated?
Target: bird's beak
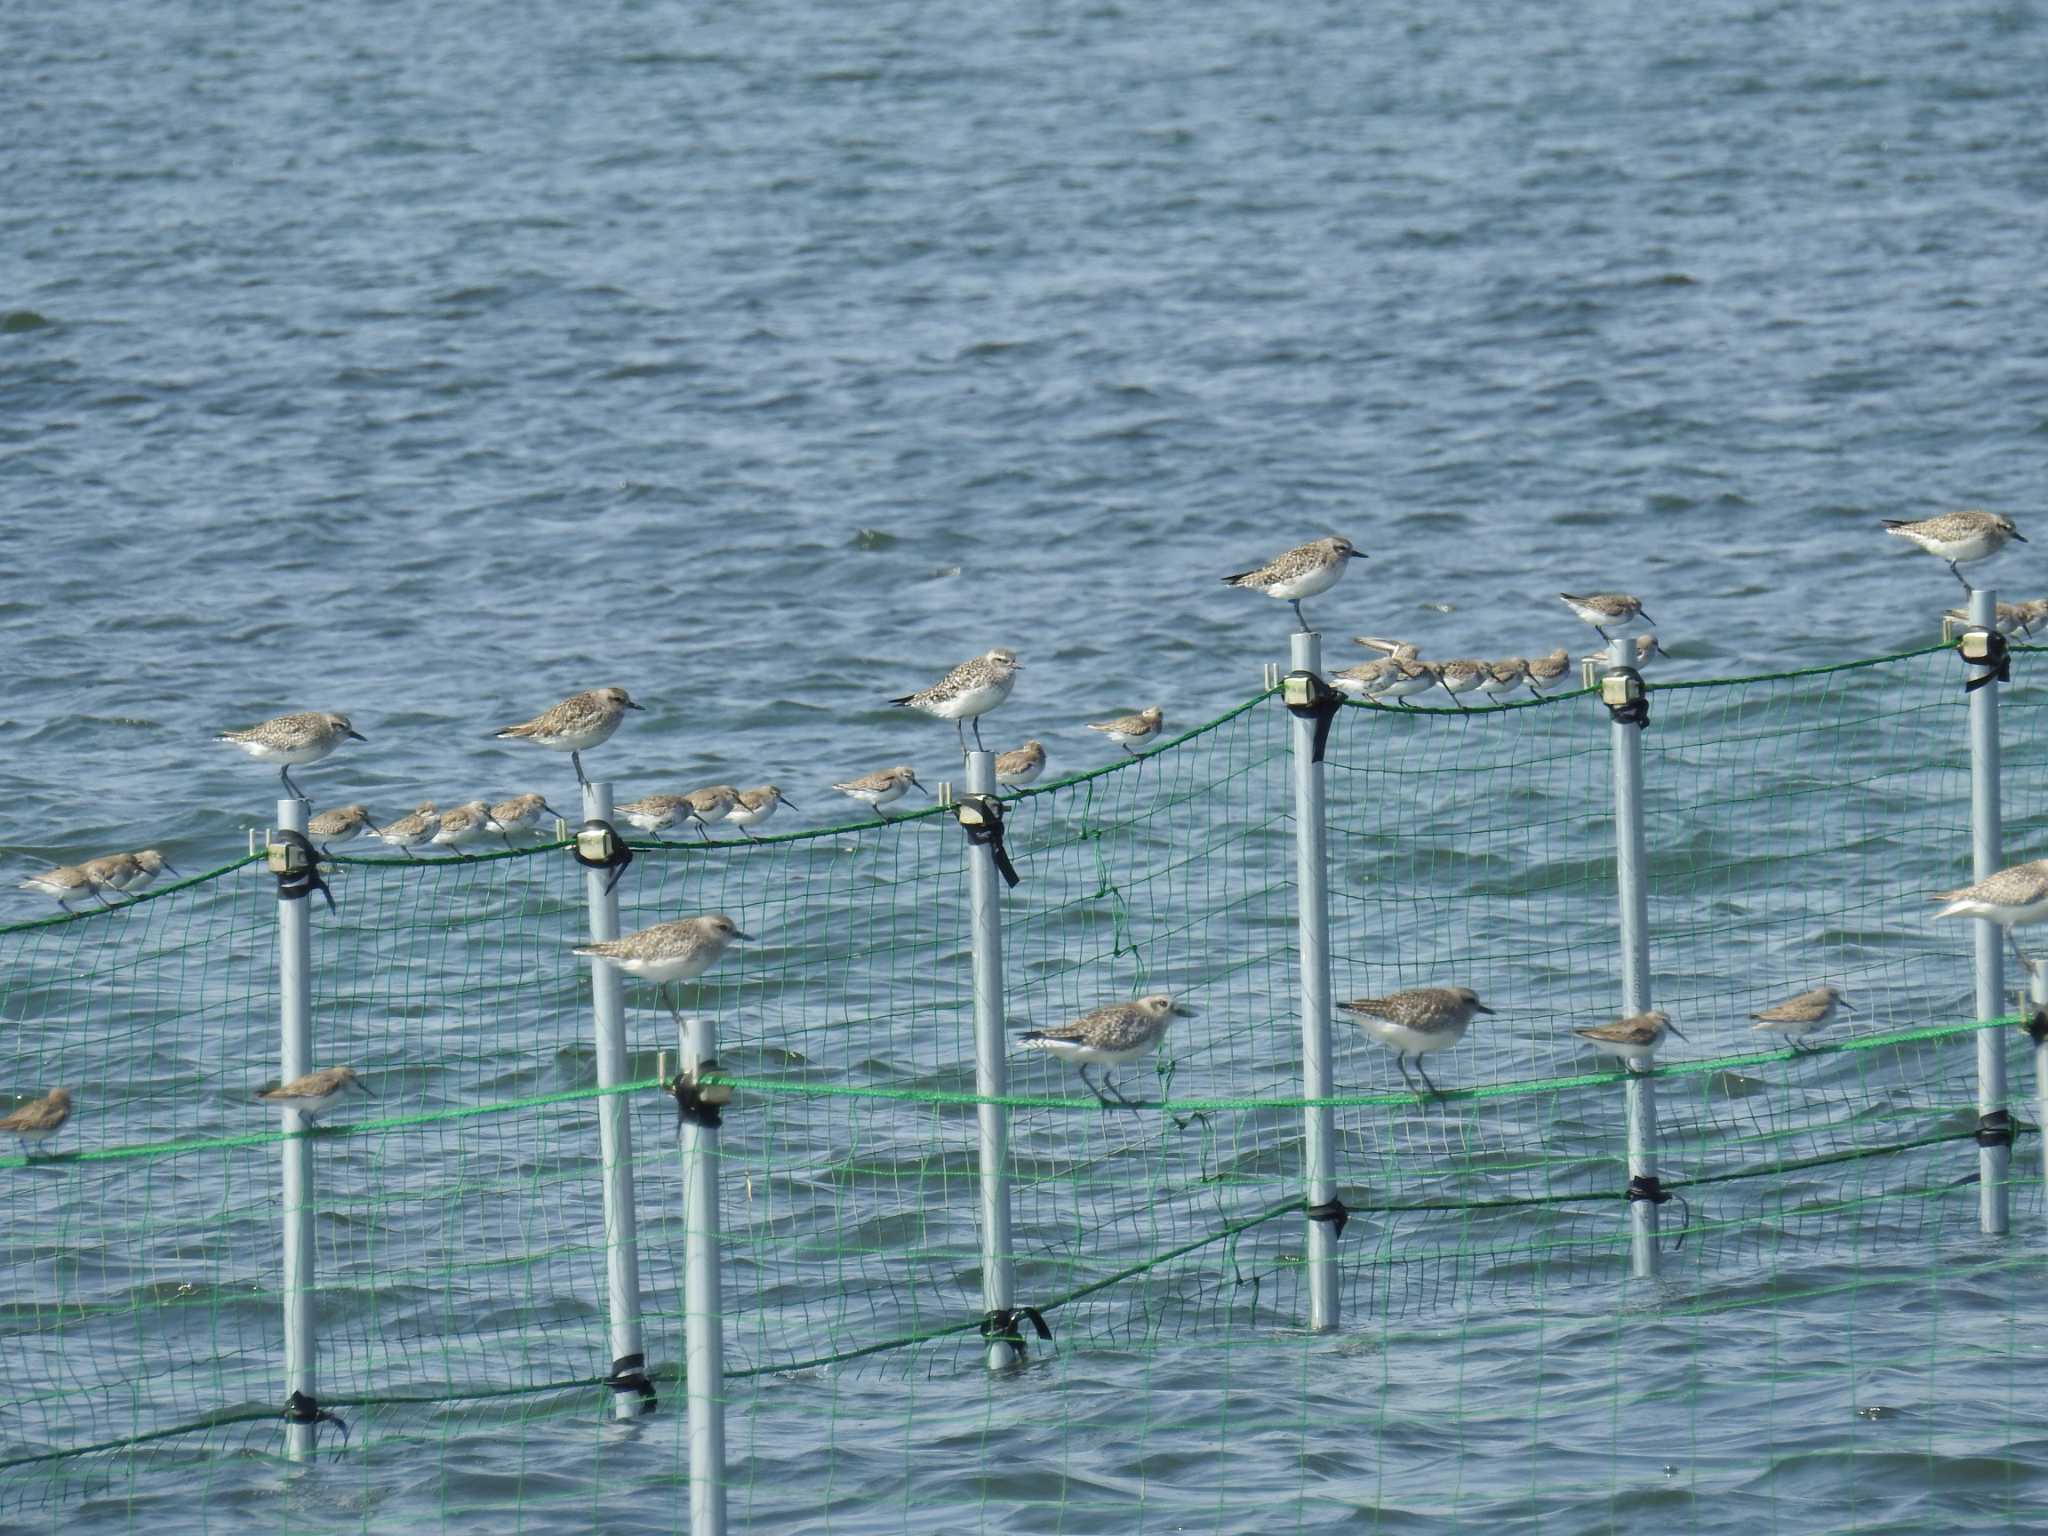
{"x": 631, "y": 705}
{"x": 790, "y": 803}
{"x": 1843, "y": 1004}
{"x": 1184, "y": 1011}
{"x": 1481, "y": 1008}
{"x": 1676, "y": 1030}
{"x": 362, "y": 1085}
{"x": 2020, "y": 536}
{"x": 174, "y": 869}
{"x": 1644, "y": 615}
{"x": 739, "y": 935}
{"x": 355, "y": 735}
{"x": 921, "y": 789}
{"x": 552, "y": 811}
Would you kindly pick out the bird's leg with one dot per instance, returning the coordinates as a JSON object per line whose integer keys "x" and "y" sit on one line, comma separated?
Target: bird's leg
{"x": 960, "y": 730}
{"x": 1959, "y": 576}
{"x": 1435, "y": 1092}
{"x": 668, "y": 997}
{"x": 977, "y": 735}
{"x": 1110, "y": 1083}
{"x": 1089, "y": 1082}
{"x": 1299, "y": 617}
{"x": 1401, "y": 1061}
{"x": 576, "y": 762}
{"x": 704, "y": 831}
{"x": 748, "y": 835}
{"x": 96, "y": 896}
{"x": 66, "y": 905}
{"x": 2014, "y": 940}
{"x": 507, "y": 836}
{"x": 1128, "y": 748}
{"x": 1603, "y": 634}
{"x": 284, "y": 772}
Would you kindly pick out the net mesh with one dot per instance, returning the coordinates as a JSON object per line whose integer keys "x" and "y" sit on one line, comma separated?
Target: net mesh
{"x": 1822, "y": 1268}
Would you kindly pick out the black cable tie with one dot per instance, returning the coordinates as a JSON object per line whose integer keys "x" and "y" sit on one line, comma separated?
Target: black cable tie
{"x": 629, "y": 1374}
{"x": 1308, "y": 697}
{"x": 981, "y": 817}
{"x": 1644, "y": 1186}
{"x": 599, "y": 846}
{"x": 2037, "y": 1026}
{"x": 1997, "y": 658}
{"x": 300, "y": 1408}
{"x": 1001, "y": 1327}
{"x": 695, "y": 1102}
{"x": 296, "y": 863}
{"x": 1994, "y": 1129}
{"x": 1331, "y": 1210}
{"x": 1633, "y": 707}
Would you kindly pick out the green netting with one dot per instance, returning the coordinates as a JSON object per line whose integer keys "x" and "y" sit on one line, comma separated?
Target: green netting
{"x": 1824, "y": 1291}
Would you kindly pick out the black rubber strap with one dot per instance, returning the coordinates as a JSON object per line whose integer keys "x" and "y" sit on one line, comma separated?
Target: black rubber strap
{"x": 1644, "y": 1186}
{"x": 689, "y": 1099}
{"x": 985, "y": 830}
{"x": 1994, "y": 1129}
{"x": 300, "y": 877}
{"x": 1332, "y": 1210}
{"x": 300, "y": 1408}
{"x": 629, "y": 1374}
{"x": 614, "y": 857}
{"x": 2037, "y": 1026}
{"x": 1321, "y": 706}
{"x": 1002, "y": 1327}
{"x": 1636, "y": 711}
{"x": 1997, "y": 660}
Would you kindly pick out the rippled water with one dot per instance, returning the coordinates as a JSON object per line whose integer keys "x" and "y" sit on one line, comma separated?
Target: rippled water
{"x": 429, "y": 366}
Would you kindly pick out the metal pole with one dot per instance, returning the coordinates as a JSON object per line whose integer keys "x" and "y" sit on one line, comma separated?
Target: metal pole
{"x": 1312, "y": 889}
{"x": 615, "y": 1135}
{"x": 295, "y": 1059}
{"x": 1631, "y": 874}
{"x": 703, "y": 1305}
{"x": 984, "y": 895}
{"x": 1986, "y": 835}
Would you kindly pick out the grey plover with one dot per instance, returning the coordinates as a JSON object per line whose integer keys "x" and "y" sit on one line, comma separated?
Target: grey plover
{"x": 343, "y": 825}
{"x": 1798, "y": 1017}
{"x": 412, "y": 831}
{"x": 754, "y": 806}
{"x": 465, "y": 826}
{"x": 669, "y": 952}
{"x": 38, "y": 1120}
{"x": 315, "y": 1093}
{"x": 1016, "y": 769}
{"x": 1109, "y": 1037}
{"x": 1611, "y": 613}
{"x": 1960, "y": 538}
{"x": 968, "y": 692}
{"x": 884, "y": 787}
{"x": 286, "y": 740}
{"x": 1634, "y": 1039}
{"x": 523, "y": 813}
{"x": 580, "y": 721}
{"x": 1132, "y": 731}
{"x": 64, "y": 884}
{"x": 1302, "y": 572}
{"x": 2013, "y": 898}
{"x": 1416, "y": 1022}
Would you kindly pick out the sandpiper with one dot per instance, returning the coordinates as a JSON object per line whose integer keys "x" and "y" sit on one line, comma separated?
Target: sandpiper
{"x": 1456, "y": 677}
{"x": 674, "y": 951}
{"x": 38, "y": 1120}
{"x": 315, "y": 1093}
{"x": 2013, "y": 620}
{"x": 344, "y": 825}
{"x": 1109, "y": 1037}
{"x": 129, "y": 873}
{"x": 884, "y": 787}
{"x": 302, "y": 738}
{"x": 1407, "y": 679}
{"x": 1502, "y": 678}
{"x": 754, "y": 806}
{"x": 1634, "y": 1039}
{"x": 1611, "y": 613}
{"x": 1302, "y": 572}
{"x": 2012, "y": 898}
{"x": 1132, "y": 731}
{"x": 1364, "y": 680}
{"x": 654, "y": 814}
{"x": 1416, "y": 1022}
{"x": 64, "y": 885}
{"x": 710, "y": 804}
{"x": 464, "y": 826}
{"x": 1548, "y": 671}
{"x": 1798, "y": 1017}
{"x": 1016, "y": 769}
{"x": 1960, "y": 538}
{"x": 968, "y": 692}
{"x": 1636, "y": 653}
{"x": 582, "y": 720}
{"x": 414, "y": 831}
{"x": 522, "y": 813}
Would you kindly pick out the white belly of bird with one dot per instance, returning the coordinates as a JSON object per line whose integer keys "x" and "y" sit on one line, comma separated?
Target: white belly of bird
{"x": 879, "y": 797}
{"x": 1612, "y": 624}
{"x": 1019, "y": 780}
{"x": 312, "y": 1109}
{"x": 1492, "y": 685}
{"x": 1308, "y": 584}
{"x": 972, "y": 702}
{"x": 1979, "y": 546}
{"x": 467, "y": 836}
{"x": 2005, "y": 917}
{"x": 56, "y": 890}
{"x": 1635, "y": 1055}
{"x": 42, "y": 1135}
{"x": 740, "y": 816}
{"x": 1089, "y": 1055}
{"x": 289, "y": 756}
{"x": 1410, "y": 1042}
{"x": 1794, "y": 1029}
{"x": 679, "y": 968}
{"x": 1405, "y": 687}
{"x": 576, "y": 741}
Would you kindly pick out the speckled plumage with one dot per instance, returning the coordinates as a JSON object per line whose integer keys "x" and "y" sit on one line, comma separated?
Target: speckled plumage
{"x": 1960, "y": 538}
{"x": 754, "y": 806}
{"x": 289, "y": 740}
{"x": 1108, "y": 1037}
{"x": 465, "y": 825}
{"x": 671, "y": 951}
{"x": 579, "y": 721}
{"x": 1301, "y": 572}
{"x": 1548, "y": 670}
{"x": 1416, "y": 1022}
{"x": 1611, "y": 613}
{"x": 1021, "y": 766}
{"x": 968, "y": 692}
{"x": 343, "y": 825}
{"x": 39, "y": 1119}
{"x": 522, "y": 813}
{"x": 64, "y": 884}
{"x": 412, "y": 831}
{"x": 884, "y": 787}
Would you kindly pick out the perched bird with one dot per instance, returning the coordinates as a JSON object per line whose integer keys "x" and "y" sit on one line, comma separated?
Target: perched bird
{"x": 655, "y": 814}
{"x": 755, "y": 806}
{"x": 464, "y": 826}
{"x": 968, "y": 692}
{"x": 1416, "y": 1022}
{"x": 1634, "y": 1039}
{"x": 314, "y": 1094}
{"x": 1503, "y": 677}
{"x": 2033, "y": 613}
{"x": 582, "y": 720}
{"x": 1548, "y": 671}
{"x": 1364, "y": 680}
{"x": 711, "y": 804}
{"x": 1132, "y": 731}
{"x": 2013, "y": 620}
{"x": 1109, "y": 1037}
{"x": 64, "y": 885}
{"x": 38, "y": 1120}
{"x": 129, "y": 873}
{"x": 1798, "y": 1017}
{"x": 414, "y": 831}
{"x": 1014, "y": 770}
{"x": 675, "y": 951}
{"x": 1960, "y": 538}
{"x": 522, "y": 813}
{"x": 1609, "y": 611}
{"x": 2012, "y": 898}
{"x": 1302, "y": 572}
{"x": 302, "y": 738}
{"x": 1408, "y": 678}
{"x": 881, "y": 788}
{"x": 1456, "y": 677}
{"x": 340, "y": 826}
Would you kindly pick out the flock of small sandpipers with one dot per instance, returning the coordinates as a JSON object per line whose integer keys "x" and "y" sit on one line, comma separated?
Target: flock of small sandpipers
{"x": 1413, "y": 1023}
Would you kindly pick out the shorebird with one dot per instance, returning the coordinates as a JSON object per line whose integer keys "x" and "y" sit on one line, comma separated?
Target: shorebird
{"x": 64, "y": 885}
{"x": 1416, "y": 1022}
{"x": 1634, "y": 1039}
{"x": 755, "y": 806}
{"x": 1109, "y": 1037}
{"x": 1132, "y": 731}
{"x": 968, "y": 692}
{"x": 667, "y": 952}
{"x": 2013, "y": 898}
{"x": 884, "y": 787}
{"x": 302, "y": 738}
{"x": 1302, "y": 572}
{"x": 1016, "y": 769}
{"x": 1960, "y": 538}
{"x": 343, "y": 825}
{"x": 1609, "y": 611}
{"x": 1798, "y": 1017}
{"x": 38, "y": 1120}
{"x": 580, "y": 721}
{"x": 315, "y": 1093}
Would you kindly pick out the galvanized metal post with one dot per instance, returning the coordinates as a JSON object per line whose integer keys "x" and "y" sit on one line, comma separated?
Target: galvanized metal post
{"x": 1631, "y": 875}
{"x": 1994, "y": 1162}
{"x": 984, "y": 896}
{"x": 703, "y": 1300}
{"x": 615, "y": 1134}
{"x": 1312, "y": 894}
{"x": 295, "y": 1059}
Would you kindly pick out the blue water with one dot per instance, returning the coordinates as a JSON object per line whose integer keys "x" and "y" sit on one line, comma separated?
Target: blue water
{"x": 428, "y": 365}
